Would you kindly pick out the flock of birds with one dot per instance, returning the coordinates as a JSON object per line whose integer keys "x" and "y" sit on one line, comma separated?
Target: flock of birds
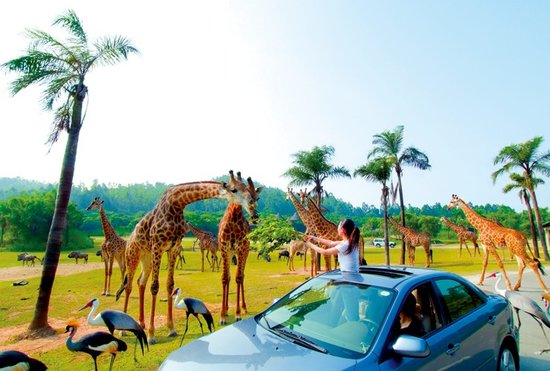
{"x": 102, "y": 342}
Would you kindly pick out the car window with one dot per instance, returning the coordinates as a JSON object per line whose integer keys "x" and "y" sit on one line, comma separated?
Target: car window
{"x": 341, "y": 317}
{"x": 457, "y": 298}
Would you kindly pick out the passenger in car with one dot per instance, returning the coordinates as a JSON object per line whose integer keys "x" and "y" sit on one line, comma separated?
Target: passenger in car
{"x": 409, "y": 322}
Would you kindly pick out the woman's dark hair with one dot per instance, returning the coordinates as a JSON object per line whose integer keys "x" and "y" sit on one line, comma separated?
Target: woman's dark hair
{"x": 353, "y": 233}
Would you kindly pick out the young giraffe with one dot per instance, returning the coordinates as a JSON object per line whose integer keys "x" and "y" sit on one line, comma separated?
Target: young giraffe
{"x": 112, "y": 248}
{"x": 208, "y": 243}
{"x": 162, "y": 229}
{"x": 412, "y": 240}
{"x": 493, "y": 236}
{"x": 233, "y": 242}
{"x": 463, "y": 236}
{"x": 306, "y": 220}
{"x": 294, "y": 247}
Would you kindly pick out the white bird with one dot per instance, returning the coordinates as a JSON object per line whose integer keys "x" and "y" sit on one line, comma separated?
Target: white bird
{"x": 116, "y": 320}
{"x": 525, "y": 304}
{"x": 15, "y": 360}
{"x": 195, "y": 307}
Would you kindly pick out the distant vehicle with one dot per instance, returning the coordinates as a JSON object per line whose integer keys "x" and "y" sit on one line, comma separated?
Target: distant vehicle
{"x": 351, "y": 321}
{"x": 379, "y": 242}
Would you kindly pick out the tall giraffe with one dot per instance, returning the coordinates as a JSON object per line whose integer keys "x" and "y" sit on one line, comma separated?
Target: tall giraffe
{"x": 463, "y": 235}
{"x": 162, "y": 229}
{"x": 306, "y": 220}
{"x": 493, "y": 236}
{"x": 413, "y": 239}
{"x": 112, "y": 248}
{"x": 208, "y": 243}
{"x": 233, "y": 242}
{"x": 326, "y": 229}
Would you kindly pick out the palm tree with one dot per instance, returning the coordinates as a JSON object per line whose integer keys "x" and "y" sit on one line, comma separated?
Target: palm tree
{"x": 379, "y": 170}
{"x": 519, "y": 182}
{"x": 314, "y": 168}
{"x": 390, "y": 144}
{"x": 526, "y": 156}
{"x": 61, "y": 67}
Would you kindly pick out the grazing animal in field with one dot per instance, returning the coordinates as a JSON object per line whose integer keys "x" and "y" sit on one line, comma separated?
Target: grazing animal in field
{"x": 464, "y": 235}
{"x": 412, "y": 240}
{"x": 78, "y": 255}
{"x": 284, "y": 254}
{"x": 494, "y": 236}
{"x": 95, "y": 344}
{"x": 208, "y": 243}
{"x": 195, "y": 307}
{"x": 15, "y": 360}
{"x": 162, "y": 229}
{"x": 117, "y": 320}
{"x": 28, "y": 259}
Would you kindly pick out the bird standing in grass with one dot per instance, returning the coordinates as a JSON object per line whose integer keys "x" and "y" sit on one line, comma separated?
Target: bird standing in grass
{"x": 117, "y": 320}
{"x": 195, "y": 307}
{"x": 95, "y": 344}
{"x": 14, "y": 360}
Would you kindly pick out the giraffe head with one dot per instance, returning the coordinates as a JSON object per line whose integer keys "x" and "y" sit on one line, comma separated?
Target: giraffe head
{"x": 243, "y": 194}
{"x": 96, "y": 204}
{"x": 454, "y": 202}
{"x": 303, "y": 196}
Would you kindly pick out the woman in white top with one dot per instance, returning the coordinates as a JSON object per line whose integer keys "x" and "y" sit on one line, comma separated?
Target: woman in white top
{"x": 347, "y": 248}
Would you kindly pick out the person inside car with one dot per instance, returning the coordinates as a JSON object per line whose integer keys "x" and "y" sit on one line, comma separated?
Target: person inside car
{"x": 409, "y": 322}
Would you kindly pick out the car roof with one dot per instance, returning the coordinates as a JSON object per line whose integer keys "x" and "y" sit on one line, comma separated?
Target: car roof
{"x": 387, "y": 276}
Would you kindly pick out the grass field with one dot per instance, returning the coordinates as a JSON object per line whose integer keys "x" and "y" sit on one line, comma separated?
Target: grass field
{"x": 264, "y": 282}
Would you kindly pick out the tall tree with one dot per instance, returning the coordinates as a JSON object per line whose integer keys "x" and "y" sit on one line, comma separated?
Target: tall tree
{"x": 520, "y": 182}
{"x": 379, "y": 170}
{"x": 61, "y": 67}
{"x": 526, "y": 156}
{"x": 390, "y": 144}
{"x": 313, "y": 168}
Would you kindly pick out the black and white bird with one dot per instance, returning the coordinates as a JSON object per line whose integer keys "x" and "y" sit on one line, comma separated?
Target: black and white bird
{"x": 525, "y": 304}
{"x": 117, "y": 320}
{"x": 195, "y": 307}
{"x": 15, "y": 360}
{"x": 95, "y": 344}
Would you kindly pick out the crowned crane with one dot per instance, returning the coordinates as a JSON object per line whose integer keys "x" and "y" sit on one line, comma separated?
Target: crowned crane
{"x": 525, "y": 304}
{"x": 195, "y": 307}
{"x": 95, "y": 344}
{"x": 14, "y": 360}
{"x": 117, "y": 320}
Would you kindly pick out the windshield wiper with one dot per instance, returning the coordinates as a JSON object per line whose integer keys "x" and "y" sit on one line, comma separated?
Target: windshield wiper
{"x": 300, "y": 340}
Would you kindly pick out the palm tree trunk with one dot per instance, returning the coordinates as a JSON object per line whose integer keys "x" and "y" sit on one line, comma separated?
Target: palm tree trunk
{"x": 531, "y": 223}
{"x": 386, "y": 229}
{"x": 55, "y": 236}
{"x": 539, "y": 224}
{"x": 402, "y": 209}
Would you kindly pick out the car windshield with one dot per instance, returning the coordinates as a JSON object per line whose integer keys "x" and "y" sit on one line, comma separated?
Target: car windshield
{"x": 336, "y": 317}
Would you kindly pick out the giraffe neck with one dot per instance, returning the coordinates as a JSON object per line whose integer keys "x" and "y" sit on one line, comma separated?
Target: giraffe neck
{"x": 399, "y": 227}
{"x": 198, "y": 233}
{"x": 302, "y": 212}
{"x": 181, "y": 195}
{"x": 453, "y": 226}
{"x": 318, "y": 219}
{"x": 108, "y": 229}
{"x": 474, "y": 218}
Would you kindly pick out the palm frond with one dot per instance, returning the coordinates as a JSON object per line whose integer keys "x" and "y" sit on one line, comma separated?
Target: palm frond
{"x": 71, "y": 22}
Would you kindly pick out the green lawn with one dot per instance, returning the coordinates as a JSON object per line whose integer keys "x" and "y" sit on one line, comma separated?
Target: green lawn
{"x": 264, "y": 282}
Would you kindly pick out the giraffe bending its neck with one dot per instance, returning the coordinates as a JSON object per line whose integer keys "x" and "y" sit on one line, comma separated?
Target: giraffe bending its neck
{"x": 463, "y": 236}
{"x": 208, "y": 243}
{"x": 306, "y": 220}
{"x": 492, "y": 236}
{"x": 112, "y": 248}
{"x": 413, "y": 239}
{"x": 162, "y": 229}
{"x": 233, "y": 241}
{"x": 323, "y": 228}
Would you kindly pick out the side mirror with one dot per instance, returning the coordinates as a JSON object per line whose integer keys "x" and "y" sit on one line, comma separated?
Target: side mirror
{"x": 411, "y": 346}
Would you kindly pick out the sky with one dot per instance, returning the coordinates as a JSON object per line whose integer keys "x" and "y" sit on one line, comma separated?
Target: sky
{"x": 244, "y": 85}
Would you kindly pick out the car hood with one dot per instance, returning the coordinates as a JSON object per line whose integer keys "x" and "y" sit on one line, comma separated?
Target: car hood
{"x": 247, "y": 346}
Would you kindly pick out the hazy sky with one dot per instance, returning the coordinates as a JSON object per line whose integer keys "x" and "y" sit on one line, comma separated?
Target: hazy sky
{"x": 243, "y": 85}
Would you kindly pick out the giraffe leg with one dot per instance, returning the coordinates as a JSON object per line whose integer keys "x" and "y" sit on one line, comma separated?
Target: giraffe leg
{"x": 502, "y": 269}
{"x": 535, "y": 266}
{"x": 521, "y": 268}
{"x": 226, "y": 276}
{"x": 467, "y": 248}
{"x": 172, "y": 257}
{"x": 202, "y": 259}
{"x": 241, "y": 302}
{"x": 109, "y": 275}
{"x": 106, "y": 268}
{"x": 428, "y": 255}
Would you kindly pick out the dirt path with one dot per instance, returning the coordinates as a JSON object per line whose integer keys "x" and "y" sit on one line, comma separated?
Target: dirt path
{"x": 25, "y": 272}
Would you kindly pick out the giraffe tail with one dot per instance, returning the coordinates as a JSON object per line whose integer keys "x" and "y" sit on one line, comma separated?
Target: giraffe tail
{"x": 540, "y": 267}
{"x": 122, "y": 287}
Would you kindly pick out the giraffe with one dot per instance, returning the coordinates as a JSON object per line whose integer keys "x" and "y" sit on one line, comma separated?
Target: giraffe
{"x": 208, "y": 244}
{"x": 412, "y": 240}
{"x": 233, "y": 242}
{"x": 295, "y": 247}
{"x": 112, "y": 248}
{"x": 306, "y": 220}
{"x": 463, "y": 236}
{"x": 493, "y": 236}
{"x": 162, "y": 229}
{"x": 324, "y": 228}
